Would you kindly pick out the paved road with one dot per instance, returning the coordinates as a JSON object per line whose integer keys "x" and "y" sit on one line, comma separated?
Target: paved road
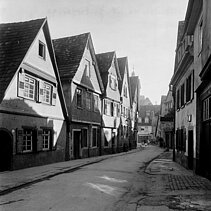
{"x": 100, "y": 186}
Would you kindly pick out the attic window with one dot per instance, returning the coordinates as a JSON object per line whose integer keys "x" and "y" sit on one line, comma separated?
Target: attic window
{"x": 41, "y": 49}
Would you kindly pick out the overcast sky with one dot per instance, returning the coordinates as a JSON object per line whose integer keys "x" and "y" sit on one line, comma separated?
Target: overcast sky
{"x": 143, "y": 30}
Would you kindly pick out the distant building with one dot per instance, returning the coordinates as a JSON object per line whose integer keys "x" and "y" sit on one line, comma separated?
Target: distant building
{"x": 144, "y": 101}
{"x": 147, "y": 120}
{"x": 165, "y": 126}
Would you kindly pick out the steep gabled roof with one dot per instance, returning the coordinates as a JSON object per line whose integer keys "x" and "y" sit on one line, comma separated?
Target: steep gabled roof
{"x": 69, "y": 52}
{"x": 134, "y": 84}
{"x": 122, "y": 63}
{"x": 104, "y": 61}
{"x": 15, "y": 40}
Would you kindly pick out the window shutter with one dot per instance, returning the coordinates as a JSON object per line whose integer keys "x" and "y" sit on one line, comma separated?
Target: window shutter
{"x": 21, "y": 84}
{"x": 41, "y": 91}
{"x": 19, "y": 139}
{"x": 53, "y": 141}
{"x": 39, "y": 140}
{"x": 54, "y": 93}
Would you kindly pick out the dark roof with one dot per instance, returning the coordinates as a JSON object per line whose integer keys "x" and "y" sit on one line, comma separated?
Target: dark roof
{"x": 134, "y": 84}
{"x": 69, "y": 52}
{"x": 145, "y": 108}
{"x": 104, "y": 61}
{"x": 181, "y": 26}
{"x": 15, "y": 40}
{"x": 122, "y": 63}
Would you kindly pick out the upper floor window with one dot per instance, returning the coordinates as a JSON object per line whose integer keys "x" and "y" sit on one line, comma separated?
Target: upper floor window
{"x": 206, "y": 109}
{"x": 42, "y": 50}
{"x": 87, "y": 68}
{"x": 183, "y": 95}
{"x": 146, "y": 119}
{"x": 125, "y": 90}
{"x": 188, "y": 88}
{"x": 200, "y": 35}
{"x": 178, "y": 99}
{"x": 112, "y": 82}
{"x": 96, "y": 103}
{"x": 36, "y": 89}
{"x": 79, "y": 98}
{"x": 29, "y": 88}
{"x": 88, "y": 100}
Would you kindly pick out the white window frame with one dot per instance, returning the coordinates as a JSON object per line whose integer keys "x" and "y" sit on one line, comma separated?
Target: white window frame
{"x": 46, "y": 137}
{"x": 27, "y": 87}
{"x": 79, "y": 92}
{"x": 112, "y": 82}
{"x": 87, "y": 68}
{"x": 27, "y": 133}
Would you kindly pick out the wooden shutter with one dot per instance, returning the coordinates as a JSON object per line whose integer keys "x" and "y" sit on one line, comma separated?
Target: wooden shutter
{"x": 39, "y": 140}
{"x": 54, "y": 93}
{"x": 19, "y": 139}
{"x": 21, "y": 84}
{"x": 53, "y": 140}
{"x": 41, "y": 91}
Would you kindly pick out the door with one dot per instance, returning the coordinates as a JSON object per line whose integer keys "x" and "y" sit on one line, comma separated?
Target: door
{"x": 113, "y": 142}
{"x": 5, "y": 150}
{"x": 76, "y": 144}
{"x": 190, "y": 149}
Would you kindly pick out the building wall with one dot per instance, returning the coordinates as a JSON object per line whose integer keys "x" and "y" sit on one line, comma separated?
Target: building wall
{"x": 17, "y": 113}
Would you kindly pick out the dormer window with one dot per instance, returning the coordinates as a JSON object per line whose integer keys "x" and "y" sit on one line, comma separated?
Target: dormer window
{"x": 125, "y": 90}
{"x": 41, "y": 50}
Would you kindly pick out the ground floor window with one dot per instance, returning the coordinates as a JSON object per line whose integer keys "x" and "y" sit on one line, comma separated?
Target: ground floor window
{"x": 46, "y": 139}
{"x": 94, "y": 137}
{"x": 27, "y": 140}
{"x": 84, "y": 142}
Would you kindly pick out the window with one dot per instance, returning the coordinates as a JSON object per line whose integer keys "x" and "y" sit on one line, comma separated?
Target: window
{"x": 200, "y": 35}
{"x": 178, "y": 99}
{"x": 79, "y": 98}
{"x": 112, "y": 108}
{"x": 45, "y": 91}
{"x": 146, "y": 119}
{"x": 96, "y": 101}
{"x": 125, "y": 90}
{"x": 94, "y": 137}
{"x": 115, "y": 109}
{"x": 41, "y": 49}
{"x": 113, "y": 83}
{"x": 88, "y": 100}
{"x": 27, "y": 140}
{"x": 87, "y": 68}
{"x": 29, "y": 89}
{"x": 36, "y": 89}
{"x": 206, "y": 109}
{"x": 182, "y": 95}
{"x": 105, "y": 107}
{"x": 46, "y": 139}
{"x": 84, "y": 138}
{"x": 188, "y": 89}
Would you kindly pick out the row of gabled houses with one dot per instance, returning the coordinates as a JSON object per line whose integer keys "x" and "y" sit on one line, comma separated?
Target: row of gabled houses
{"x": 59, "y": 100}
{"x": 190, "y": 88}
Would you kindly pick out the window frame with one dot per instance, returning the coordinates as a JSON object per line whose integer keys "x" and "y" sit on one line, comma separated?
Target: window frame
{"x": 112, "y": 82}
{"x": 30, "y": 141}
{"x": 48, "y": 140}
{"x": 96, "y": 102}
{"x": 42, "y": 52}
{"x": 79, "y": 93}
{"x": 84, "y": 146}
{"x": 88, "y": 101}
{"x": 92, "y": 140}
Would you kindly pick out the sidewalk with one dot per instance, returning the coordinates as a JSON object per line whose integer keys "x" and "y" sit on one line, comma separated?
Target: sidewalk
{"x": 176, "y": 188}
{"x": 12, "y": 180}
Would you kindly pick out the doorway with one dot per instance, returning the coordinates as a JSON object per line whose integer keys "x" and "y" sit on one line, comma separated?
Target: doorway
{"x": 5, "y": 150}
{"x": 76, "y": 143}
{"x": 190, "y": 149}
